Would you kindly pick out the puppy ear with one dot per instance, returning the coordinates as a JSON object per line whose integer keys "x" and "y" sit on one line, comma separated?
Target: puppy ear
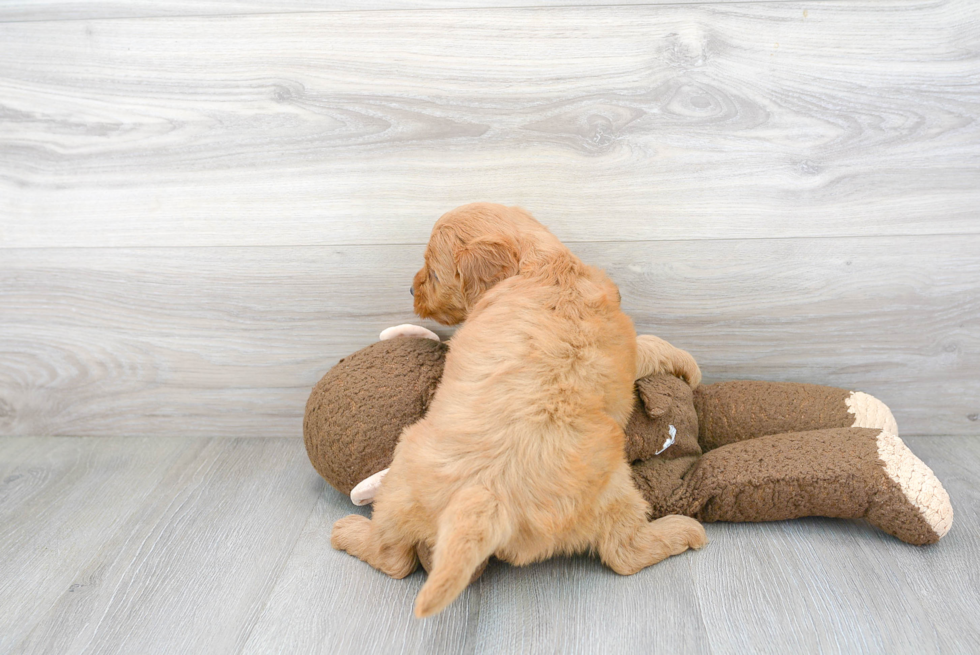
{"x": 655, "y": 394}
{"x": 485, "y": 262}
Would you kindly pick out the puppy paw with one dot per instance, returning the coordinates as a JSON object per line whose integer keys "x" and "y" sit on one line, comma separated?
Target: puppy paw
{"x": 349, "y": 533}
{"x": 686, "y": 368}
{"x": 683, "y": 532}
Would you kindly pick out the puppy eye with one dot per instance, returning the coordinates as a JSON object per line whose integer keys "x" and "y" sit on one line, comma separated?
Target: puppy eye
{"x": 435, "y": 278}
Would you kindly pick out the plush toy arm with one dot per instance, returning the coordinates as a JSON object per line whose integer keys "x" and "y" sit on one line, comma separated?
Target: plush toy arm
{"x": 655, "y": 356}
{"x": 365, "y": 490}
{"x": 734, "y": 411}
{"x": 407, "y": 330}
{"x": 844, "y": 473}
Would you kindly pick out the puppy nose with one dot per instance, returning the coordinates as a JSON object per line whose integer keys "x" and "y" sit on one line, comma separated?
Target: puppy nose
{"x": 411, "y": 290}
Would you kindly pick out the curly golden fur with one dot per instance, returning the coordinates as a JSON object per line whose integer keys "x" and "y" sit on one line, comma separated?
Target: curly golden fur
{"x": 521, "y": 453}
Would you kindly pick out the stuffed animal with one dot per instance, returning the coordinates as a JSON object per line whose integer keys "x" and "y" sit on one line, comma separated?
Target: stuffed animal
{"x": 730, "y": 451}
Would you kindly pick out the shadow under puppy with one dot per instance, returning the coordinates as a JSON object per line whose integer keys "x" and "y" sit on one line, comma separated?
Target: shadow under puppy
{"x": 521, "y": 453}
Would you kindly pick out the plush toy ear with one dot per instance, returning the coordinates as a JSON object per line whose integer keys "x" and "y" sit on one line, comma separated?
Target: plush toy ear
{"x": 485, "y": 262}
{"x": 656, "y": 395}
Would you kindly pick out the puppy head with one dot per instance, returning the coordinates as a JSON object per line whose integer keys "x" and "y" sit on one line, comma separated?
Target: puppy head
{"x": 471, "y": 249}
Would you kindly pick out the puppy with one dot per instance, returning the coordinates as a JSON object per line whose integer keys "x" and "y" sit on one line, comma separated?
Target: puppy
{"x": 521, "y": 452}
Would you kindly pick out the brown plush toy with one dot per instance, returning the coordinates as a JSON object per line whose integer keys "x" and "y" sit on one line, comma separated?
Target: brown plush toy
{"x": 731, "y": 451}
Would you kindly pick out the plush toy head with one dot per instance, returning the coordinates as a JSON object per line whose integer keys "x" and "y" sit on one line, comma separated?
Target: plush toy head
{"x": 664, "y": 422}
{"x": 357, "y": 412}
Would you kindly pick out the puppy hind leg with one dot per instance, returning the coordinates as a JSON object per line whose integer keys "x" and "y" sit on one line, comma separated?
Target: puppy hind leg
{"x": 377, "y": 541}
{"x": 628, "y": 542}
{"x": 470, "y": 529}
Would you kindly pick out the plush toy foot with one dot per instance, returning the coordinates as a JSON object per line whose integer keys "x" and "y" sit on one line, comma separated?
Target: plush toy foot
{"x": 914, "y": 507}
{"x": 408, "y": 330}
{"x": 841, "y": 472}
{"x": 869, "y": 412}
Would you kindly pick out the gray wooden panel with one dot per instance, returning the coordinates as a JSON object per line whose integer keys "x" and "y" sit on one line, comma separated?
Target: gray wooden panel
{"x": 327, "y": 602}
{"x": 36, "y": 10}
{"x": 176, "y": 545}
{"x": 189, "y": 572}
{"x": 611, "y": 123}
{"x": 953, "y": 618}
{"x": 229, "y": 341}
{"x": 13, "y": 451}
{"x": 577, "y": 606}
{"x": 59, "y": 498}
{"x": 889, "y": 316}
{"x": 815, "y": 585}
{"x": 825, "y": 585}
{"x": 801, "y": 581}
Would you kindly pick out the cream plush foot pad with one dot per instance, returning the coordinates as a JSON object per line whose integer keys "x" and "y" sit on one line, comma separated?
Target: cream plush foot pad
{"x": 869, "y": 412}
{"x": 367, "y": 489}
{"x": 917, "y": 481}
{"x": 408, "y": 330}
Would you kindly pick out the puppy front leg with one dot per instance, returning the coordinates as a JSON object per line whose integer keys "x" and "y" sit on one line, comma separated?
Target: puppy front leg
{"x": 627, "y": 542}
{"x": 655, "y": 356}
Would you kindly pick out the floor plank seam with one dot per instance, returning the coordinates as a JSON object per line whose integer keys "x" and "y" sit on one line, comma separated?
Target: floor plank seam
{"x": 280, "y": 569}
{"x": 422, "y": 244}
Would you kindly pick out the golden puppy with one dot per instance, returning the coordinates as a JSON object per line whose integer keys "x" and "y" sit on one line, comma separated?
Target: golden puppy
{"x": 521, "y": 453}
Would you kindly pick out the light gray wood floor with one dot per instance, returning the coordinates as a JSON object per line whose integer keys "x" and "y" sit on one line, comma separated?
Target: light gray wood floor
{"x": 184, "y": 545}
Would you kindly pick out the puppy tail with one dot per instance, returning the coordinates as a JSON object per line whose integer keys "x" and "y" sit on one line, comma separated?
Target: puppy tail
{"x": 471, "y": 528}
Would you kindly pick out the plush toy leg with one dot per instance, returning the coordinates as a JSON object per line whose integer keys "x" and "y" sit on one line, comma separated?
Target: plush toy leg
{"x": 844, "y": 472}
{"x": 739, "y": 410}
{"x": 629, "y": 542}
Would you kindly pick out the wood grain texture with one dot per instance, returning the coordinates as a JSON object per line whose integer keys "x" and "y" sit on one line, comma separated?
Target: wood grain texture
{"x": 59, "y": 498}
{"x": 47, "y": 10}
{"x": 210, "y": 342}
{"x": 326, "y": 601}
{"x": 189, "y": 572}
{"x": 577, "y": 606}
{"x": 805, "y": 579}
{"x": 229, "y": 552}
{"x": 953, "y": 620}
{"x": 841, "y": 586}
{"x": 630, "y": 122}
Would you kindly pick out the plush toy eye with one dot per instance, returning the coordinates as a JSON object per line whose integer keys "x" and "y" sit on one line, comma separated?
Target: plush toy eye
{"x": 670, "y": 440}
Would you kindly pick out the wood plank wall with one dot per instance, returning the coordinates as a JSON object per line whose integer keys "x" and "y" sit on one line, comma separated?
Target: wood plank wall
{"x": 203, "y": 206}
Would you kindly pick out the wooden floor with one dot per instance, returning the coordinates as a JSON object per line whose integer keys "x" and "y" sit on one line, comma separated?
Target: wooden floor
{"x": 183, "y": 545}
